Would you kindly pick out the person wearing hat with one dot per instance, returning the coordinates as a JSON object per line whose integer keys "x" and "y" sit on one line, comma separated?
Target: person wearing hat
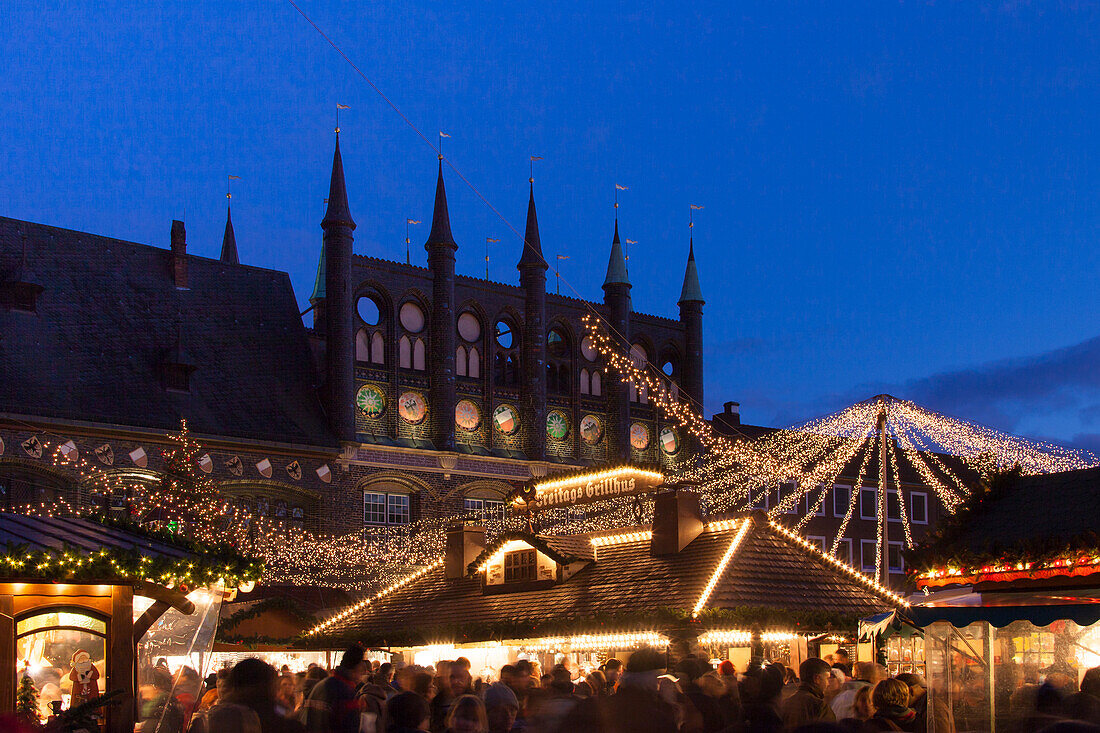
{"x": 501, "y": 707}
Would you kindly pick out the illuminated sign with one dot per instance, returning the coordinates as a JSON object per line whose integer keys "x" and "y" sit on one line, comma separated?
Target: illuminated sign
{"x": 590, "y": 487}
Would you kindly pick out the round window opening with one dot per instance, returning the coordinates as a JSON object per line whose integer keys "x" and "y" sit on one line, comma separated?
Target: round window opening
{"x": 412, "y": 318}
{"x": 369, "y": 311}
{"x": 469, "y": 328}
{"x": 668, "y": 368}
{"x": 506, "y": 335}
{"x": 588, "y": 349}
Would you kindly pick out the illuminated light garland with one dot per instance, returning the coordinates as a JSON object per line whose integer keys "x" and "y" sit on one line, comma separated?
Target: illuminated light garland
{"x": 509, "y": 546}
{"x": 721, "y": 525}
{"x": 1078, "y": 565}
{"x": 600, "y": 476}
{"x": 722, "y": 565}
{"x": 378, "y": 596}
{"x": 862, "y": 578}
{"x": 742, "y": 638}
{"x": 585, "y": 642}
{"x": 624, "y": 537}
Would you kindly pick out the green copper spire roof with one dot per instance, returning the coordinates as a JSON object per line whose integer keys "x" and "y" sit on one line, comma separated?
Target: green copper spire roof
{"x": 691, "y": 293}
{"x": 616, "y": 264}
{"x": 319, "y": 283}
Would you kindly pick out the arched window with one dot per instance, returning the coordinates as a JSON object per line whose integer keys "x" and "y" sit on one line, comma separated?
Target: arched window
{"x": 460, "y": 361}
{"x": 418, "y": 355}
{"x": 638, "y": 359}
{"x": 585, "y": 389}
{"x": 404, "y": 348}
{"x": 559, "y": 361}
{"x": 377, "y": 348}
{"x": 387, "y": 502}
{"x": 474, "y": 369}
{"x": 506, "y": 356}
{"x": 362, "y": 345}
{"x": 597, "y": 387}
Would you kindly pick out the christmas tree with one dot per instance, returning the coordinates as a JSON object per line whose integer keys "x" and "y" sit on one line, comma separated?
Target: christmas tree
{"x": 26, "y": 701}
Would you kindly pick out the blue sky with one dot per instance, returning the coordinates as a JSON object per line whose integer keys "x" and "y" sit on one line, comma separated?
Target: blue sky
{"x": 898, "y": 197}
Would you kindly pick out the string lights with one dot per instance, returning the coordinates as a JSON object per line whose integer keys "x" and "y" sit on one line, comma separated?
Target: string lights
{"x": 722, "y": 565}
{"x": 321, "y": 627}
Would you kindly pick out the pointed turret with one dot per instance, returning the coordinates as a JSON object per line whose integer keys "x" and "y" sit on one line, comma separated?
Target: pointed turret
{"x": 691, "y": 292}
{"x": 532, "y": 245}
{"x": 337, "y": 211}
{"x": 616, "y": 264}
{"x": 229, "y": 240}
{"x": 441, "y": 220}
{"x": 337, "y": 305}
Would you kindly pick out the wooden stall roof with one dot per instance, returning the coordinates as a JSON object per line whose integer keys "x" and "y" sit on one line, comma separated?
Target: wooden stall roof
{"x": 57, "y": 534}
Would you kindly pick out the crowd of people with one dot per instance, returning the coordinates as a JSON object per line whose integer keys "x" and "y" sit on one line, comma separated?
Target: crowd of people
{"x": 641, "y": 696}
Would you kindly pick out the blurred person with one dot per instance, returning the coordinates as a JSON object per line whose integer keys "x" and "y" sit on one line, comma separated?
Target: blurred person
{"x": 597, "y": 683}
{"x": 253, "y": 683}
{"x": 332, "y": 706}
{"x": 842, "y": 661}
{"x": 457, "y": 683}
{"x": 867, "y": 674}
{"x": 228, "y": 718}
{"x": 638, "y": 705}
{"x": 501, "y": 708}
{"x": 284, "y": 695}
{"x": 1085, "y": 703}
{"x": 890, "y": 698}
{"x": 612, "y": 670}
{"x": 759, "y": 689}
{"x": 807, "y": 704}
{"x": 215, "y": 691}
{"x": 407, "y": 712}
{"x": 467, "y": 715}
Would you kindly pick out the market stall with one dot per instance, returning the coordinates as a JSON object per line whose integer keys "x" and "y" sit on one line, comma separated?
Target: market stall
{"x": 87, "y": 608}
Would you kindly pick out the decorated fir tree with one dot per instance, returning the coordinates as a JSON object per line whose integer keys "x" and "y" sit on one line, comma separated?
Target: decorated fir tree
{"x": 26, "y": 701}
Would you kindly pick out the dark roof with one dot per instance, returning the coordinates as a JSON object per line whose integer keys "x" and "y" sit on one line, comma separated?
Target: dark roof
{"x": 532, "y": 244}
{"x": 108, "y": 317}
{"x": 337, "y": 211}
{"x": 311, "y": 598}
{"x": 229, "y": 240}
{"x": 441, "y": 220}
{"x": 56, "y": 534}
{"x": 1048, "y": 507}
{"x": 768, "y": 571}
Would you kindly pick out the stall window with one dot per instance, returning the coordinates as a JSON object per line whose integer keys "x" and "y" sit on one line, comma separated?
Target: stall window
{"x": 64, "y": 654}
{"x": 520, "y": 566}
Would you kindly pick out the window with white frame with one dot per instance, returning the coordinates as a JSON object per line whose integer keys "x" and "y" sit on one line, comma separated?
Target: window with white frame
{"x": 844, "y": 550}
{"x": 868, "y": 555}
{"x": 381, "y": 508}
{"x": 486, "y": 509}
{"x": 398, "y": 509}
{"x": 868, "y": 503}
{"x": 893, "y": 508}
{"x": 842, "y": 496}
{"x": 897, "y": 561}
{"x": 786, "y": 490}
{"x": 374, "y": 508}
{"x": 818, "y": 542}
{"x": 815, "y": 501}
{"x": 760, "y": 497}
{"x": 918, "y": 507}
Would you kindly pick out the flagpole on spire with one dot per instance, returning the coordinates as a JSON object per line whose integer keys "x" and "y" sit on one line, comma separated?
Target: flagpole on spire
{"x": 441, "y": 136}
{"x": 618, "y": 188}
{"x": 628, "y": 242}
{"x": 338, "y": 108}
{"x": 408, "y": 257}
{"x": 533, "y": 159}
{"x": 691, "y": 216}
{"x": 557, "y": 273}
{"x": 228, "y": 192}
{"x": 488, "y": 241}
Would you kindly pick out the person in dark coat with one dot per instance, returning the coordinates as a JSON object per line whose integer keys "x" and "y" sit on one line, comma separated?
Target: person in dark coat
{"x": 332, "y": 706}
{"x": 807, "y": 704}
{"x": 254, "y": 683}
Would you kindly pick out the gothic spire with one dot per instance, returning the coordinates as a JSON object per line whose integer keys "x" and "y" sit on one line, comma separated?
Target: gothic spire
{"x": 691, "y": 292}
{"x": 337, "y": 211}
{"x": 531, "y": 257}
{"x": 229, "y": 241}
{"x": 441, "y": 220}
{"x": 616, "y": 264}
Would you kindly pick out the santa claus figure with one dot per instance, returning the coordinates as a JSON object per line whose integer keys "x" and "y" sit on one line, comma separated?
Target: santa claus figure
{"x": 85, "y": 678}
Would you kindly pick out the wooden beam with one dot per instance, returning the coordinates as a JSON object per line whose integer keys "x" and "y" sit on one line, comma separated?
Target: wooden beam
{"x": 7, "y": 654}
{"x": 121, "y": 667}
{"x": 157, "y": 592}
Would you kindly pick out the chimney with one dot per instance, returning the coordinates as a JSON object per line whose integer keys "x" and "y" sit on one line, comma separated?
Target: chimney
{"x": 464, "y": 544}
{"x": 677, "y": 520}
{"x": 179, "y": 255}
{"x": 732, "y": 415}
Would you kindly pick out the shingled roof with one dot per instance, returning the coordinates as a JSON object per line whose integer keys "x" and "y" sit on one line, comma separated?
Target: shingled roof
{"x": 768, "y": 571}
{"x": 108, "y": 317}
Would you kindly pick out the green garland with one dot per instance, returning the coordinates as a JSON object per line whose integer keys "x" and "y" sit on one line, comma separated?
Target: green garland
{"x": 661, "y": 619}
{"x": 74, "y": 564}
{"x": 275, "y": 603}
